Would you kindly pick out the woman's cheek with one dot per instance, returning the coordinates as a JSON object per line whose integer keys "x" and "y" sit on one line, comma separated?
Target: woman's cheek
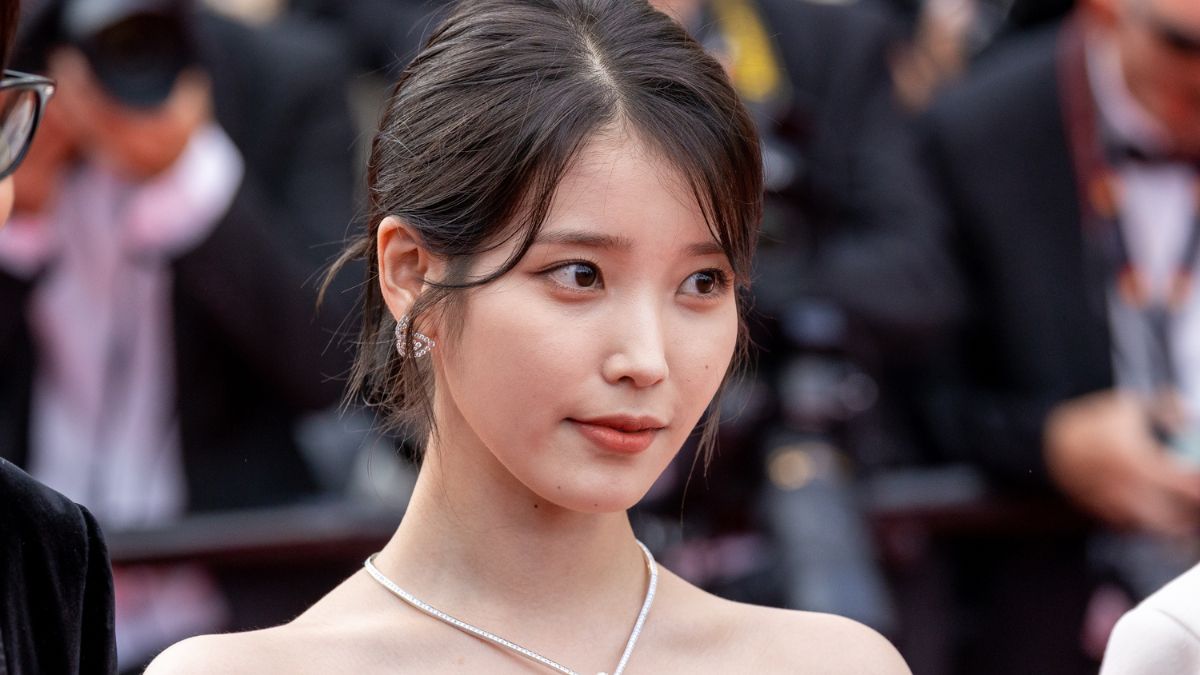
{"x": 703, "y": 361}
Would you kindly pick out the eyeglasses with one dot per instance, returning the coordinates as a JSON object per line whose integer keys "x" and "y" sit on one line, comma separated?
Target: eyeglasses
{"x": 23, "y": 97}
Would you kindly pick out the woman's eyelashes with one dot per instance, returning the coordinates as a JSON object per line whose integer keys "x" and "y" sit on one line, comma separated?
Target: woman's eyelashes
{"x": 582, "y": 276}
{"x": 577, "y": 275}
{"x": 711, "y": 283}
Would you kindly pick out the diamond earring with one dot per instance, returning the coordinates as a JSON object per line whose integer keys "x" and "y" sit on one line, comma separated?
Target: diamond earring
{"x": 422, "y": 344}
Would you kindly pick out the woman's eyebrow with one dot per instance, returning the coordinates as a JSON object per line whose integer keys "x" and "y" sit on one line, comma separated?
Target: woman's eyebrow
{"x": 705, "y": 248}
{"x": 585, "y": 239}
{"x": 615, "y": 242}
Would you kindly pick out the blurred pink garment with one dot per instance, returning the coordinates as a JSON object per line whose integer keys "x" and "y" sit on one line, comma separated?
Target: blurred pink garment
{"x": 1161, "y": 636}
{"x": 103, "y": 428}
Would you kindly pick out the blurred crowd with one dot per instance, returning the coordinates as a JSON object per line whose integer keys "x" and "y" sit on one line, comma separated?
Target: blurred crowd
{"x": 973, "y": 420}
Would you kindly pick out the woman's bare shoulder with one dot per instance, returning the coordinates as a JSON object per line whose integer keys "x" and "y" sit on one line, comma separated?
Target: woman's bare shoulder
{"x": 254, "y": 651}
{"x": 297, "y": 647}
{"x": 338, "y": 634}
{"x": 824, "y": 642}
{"x": 766, "y": 639}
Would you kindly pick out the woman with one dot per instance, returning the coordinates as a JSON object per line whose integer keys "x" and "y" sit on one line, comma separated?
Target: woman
{"x": 564, "y": 196}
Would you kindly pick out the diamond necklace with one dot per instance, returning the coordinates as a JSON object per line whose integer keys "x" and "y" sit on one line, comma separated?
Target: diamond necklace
{"x": 482, "y": 634}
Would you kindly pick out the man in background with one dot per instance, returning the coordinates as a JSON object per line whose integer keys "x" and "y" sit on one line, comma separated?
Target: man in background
{"x": 158, "y": 280}
{"x": 1069, "y": 160}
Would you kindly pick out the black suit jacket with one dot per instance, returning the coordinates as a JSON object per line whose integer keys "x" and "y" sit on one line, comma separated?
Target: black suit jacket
{"x": 56, "y": 590}
{"x": 280, "y": 92}
{"x": 1037, "y": 333}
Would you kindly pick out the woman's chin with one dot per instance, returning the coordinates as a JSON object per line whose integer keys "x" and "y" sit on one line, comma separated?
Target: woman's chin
{"x": 594, "y": 499}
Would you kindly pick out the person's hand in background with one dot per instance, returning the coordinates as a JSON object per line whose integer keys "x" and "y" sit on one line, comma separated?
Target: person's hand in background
{"x": 1101, "y": 452}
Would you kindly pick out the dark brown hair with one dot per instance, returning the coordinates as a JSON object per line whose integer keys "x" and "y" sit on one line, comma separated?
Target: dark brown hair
{"x": 9, "y": 11}
{"x": 485, "y": 121}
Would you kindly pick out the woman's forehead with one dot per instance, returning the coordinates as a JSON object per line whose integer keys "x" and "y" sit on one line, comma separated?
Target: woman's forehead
{"x": 618, "y": 187}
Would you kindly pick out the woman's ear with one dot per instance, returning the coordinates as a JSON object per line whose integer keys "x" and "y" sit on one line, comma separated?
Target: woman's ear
{"x": 403, "y": 264}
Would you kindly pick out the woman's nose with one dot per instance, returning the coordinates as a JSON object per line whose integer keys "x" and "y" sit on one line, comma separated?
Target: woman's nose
{"x": 639, "y": 350}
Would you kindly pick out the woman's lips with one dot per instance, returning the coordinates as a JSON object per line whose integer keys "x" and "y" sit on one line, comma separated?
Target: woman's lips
{"x": 608, "y": 437}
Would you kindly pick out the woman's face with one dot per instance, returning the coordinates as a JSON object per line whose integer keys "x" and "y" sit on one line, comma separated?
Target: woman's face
{"x": 583, "y": 370}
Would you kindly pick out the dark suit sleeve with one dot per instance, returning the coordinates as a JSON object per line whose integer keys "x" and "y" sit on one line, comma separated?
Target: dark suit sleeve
{"x": 890, "y": 264}
{"x": 318, "y": 190}
{"x": 280, "y": 92}
{"x": 999, "y": 432}
{"x": 312, "y": 162}
{"x": 97, "y": 647}
{"x": 56, "y": 614}
{"x": 1035, "y": 333}
{"x": 880, "y": 232}
{"x": 257, "y": 293}
{"x": 976, "y": 413}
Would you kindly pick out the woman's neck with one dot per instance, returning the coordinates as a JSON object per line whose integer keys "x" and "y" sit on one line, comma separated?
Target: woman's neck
{"x": 477, "y": 541}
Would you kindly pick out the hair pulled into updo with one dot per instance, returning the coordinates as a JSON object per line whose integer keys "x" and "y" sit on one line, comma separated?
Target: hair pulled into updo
{"x": 482, "y": 125}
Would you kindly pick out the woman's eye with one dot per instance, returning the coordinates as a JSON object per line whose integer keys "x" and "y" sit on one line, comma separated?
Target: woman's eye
{"x": 707, "y": 282}
{"x": 576, "y": 275}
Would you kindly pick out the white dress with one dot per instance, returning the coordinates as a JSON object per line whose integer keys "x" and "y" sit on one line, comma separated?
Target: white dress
{"x": 1161, "y": 636}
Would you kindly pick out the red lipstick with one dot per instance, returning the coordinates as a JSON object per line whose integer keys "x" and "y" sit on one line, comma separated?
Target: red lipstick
{"x": 621, "y": 434}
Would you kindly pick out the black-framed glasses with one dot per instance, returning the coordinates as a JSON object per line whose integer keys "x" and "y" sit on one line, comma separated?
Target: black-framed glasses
{"x": 23, "y": 97}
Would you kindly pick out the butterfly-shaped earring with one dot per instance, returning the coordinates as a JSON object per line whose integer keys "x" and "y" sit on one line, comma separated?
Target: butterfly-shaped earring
{"x": 422, "y": 344}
